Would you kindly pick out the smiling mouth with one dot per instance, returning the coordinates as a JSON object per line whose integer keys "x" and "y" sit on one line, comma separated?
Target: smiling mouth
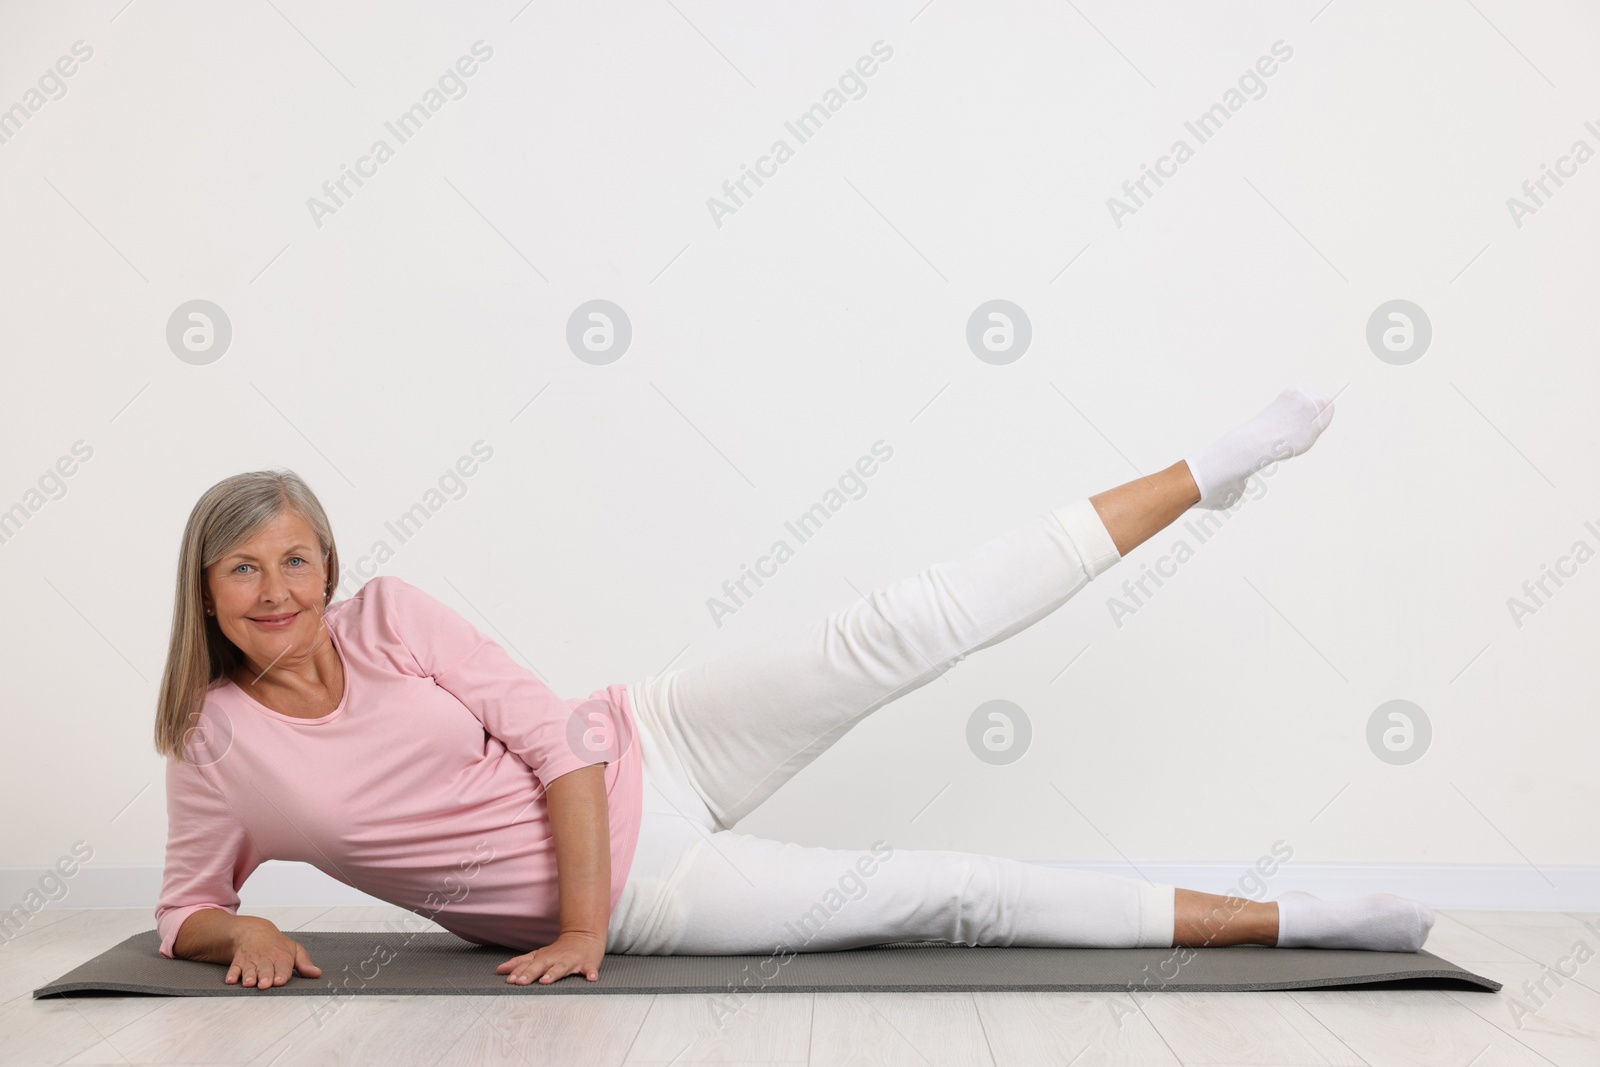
{"x": 276, "y": 621}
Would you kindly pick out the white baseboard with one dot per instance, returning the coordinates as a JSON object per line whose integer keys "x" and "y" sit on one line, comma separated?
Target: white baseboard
{"x": 1446, "y": 886}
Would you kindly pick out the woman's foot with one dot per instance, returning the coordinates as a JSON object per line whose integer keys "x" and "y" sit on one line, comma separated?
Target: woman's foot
{"x": 1286, "y": 427}
{"x": 1381, "y": 922}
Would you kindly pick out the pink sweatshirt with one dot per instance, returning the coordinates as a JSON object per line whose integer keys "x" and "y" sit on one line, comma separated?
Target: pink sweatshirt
{"x": 422, "y": 788}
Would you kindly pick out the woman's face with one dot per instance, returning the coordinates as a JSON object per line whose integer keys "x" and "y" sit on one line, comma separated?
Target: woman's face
{"x": 268, "y": 593}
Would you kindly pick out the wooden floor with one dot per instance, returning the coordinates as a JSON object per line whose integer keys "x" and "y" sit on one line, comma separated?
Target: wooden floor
{"x": 1406, "y": 1028}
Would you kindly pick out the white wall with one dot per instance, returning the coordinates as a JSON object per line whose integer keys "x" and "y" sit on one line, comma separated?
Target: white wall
{"x": 828, "y": 312}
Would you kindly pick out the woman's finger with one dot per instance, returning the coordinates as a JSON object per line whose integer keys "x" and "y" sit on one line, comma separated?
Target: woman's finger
{"x": 524, "y": 964}
{"x": 302, "y": 961}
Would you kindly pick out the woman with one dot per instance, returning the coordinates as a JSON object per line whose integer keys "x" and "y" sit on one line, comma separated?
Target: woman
{"x": 386, "y": 741}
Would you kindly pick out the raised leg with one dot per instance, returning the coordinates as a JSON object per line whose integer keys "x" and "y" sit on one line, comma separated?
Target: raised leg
{"x": 745, "y": 722}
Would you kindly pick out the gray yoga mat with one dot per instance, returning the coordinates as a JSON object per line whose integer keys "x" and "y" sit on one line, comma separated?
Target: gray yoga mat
{"x": 432, "y": 963}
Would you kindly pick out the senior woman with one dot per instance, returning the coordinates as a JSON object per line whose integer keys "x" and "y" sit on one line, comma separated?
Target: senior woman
{"x": 386, "y": 741}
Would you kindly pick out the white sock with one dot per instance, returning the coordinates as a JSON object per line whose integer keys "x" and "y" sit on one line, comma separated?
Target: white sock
{"x": 1286, "y": 427}
{"x": 1381, "y": 922}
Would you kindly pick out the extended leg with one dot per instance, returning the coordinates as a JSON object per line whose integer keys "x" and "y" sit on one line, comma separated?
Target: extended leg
{"x": 733, "y": 893}
{"x": 736, "y": 893}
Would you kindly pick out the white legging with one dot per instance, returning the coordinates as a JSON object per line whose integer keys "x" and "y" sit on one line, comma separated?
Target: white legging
{"x": 719, "y": 738}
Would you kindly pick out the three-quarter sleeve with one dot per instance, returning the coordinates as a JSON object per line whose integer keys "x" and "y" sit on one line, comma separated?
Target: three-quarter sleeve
{"x": 514, "y": 706}
{"x": 209, "y": 854}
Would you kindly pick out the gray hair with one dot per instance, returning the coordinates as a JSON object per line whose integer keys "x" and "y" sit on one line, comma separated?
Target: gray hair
{"x": 199, "y": 653}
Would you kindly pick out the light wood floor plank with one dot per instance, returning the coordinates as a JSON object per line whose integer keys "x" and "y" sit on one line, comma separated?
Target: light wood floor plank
{"x": 1322, "y": 1040}
{"x": 36, "y": 921}
{"x": 517, "y": 1030}
{"x": 1415, "y": 1028}
{"x": 206, "y": 1030}
{"x": 372, "y": 913}
{"x": 914, "y": 1029}
{"x": 289, "y": 917}
{"x": 30, "y": 962}
{"x": 1460, "y": 943}
{"x": 695, "y": 1028}
{"x": 1080, "y": 1029}
{"x": 371, "y": 1029}
{"x": 1561, "y": 1022}
{"x": 1572, "y": 950}
{"x": 54, "y": 1030}
{"x": 1206, "y": 1028}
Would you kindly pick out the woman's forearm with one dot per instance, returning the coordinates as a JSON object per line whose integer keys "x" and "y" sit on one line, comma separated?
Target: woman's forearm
{"x": 582, "y": 830}
{"x": 207, "y": 936}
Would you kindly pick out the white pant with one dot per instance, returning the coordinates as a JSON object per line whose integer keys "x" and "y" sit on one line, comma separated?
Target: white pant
{"x": 719, "y": 738}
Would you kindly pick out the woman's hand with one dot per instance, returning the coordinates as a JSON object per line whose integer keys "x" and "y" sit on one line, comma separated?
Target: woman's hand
{"x": 264, "y": 956}
{"x": 578, "y": 821}
{"x": 567, "y": 954}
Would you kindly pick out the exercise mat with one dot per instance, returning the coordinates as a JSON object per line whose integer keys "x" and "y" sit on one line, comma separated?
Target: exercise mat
{"x": 432, "y": 963}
